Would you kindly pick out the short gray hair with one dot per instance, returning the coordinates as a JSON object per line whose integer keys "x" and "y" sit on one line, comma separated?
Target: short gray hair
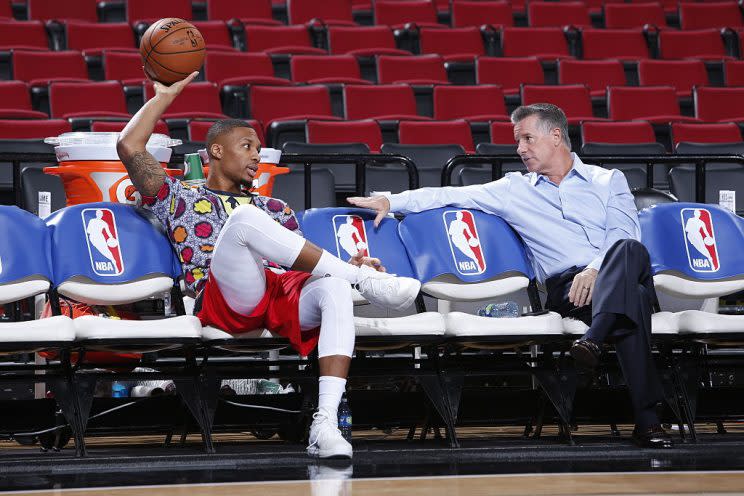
{"x": 549, "y": 117}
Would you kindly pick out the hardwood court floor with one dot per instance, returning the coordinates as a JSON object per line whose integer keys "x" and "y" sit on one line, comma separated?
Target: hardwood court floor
{"x": 670, "y": 483}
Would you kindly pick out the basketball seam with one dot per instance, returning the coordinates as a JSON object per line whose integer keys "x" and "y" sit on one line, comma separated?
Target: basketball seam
{"x": 169, "y": 69}
{"x": 153, "y": 46}
{"x": 166, "y": 36}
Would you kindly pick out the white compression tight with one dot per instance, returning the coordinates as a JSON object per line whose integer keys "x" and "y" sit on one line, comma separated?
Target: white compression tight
{"x": 250, "y": 235}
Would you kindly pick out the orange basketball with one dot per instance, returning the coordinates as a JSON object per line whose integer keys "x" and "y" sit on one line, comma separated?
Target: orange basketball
{"x": 171, "y": 49}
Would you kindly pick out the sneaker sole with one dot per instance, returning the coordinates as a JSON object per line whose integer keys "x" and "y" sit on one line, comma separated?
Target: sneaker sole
{"x": 326, "y": 454}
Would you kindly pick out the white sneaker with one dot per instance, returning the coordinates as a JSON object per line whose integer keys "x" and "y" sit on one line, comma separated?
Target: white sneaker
{"x": 326, "y": 440}
{"x": 386, "y": 290}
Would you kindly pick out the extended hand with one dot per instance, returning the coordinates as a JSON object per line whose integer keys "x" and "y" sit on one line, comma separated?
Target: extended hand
{"x": 379, "y": 204}
{"x": 360, "y": 260}
{"x": 174, "y": 89}
{"x": 582, "y": 287}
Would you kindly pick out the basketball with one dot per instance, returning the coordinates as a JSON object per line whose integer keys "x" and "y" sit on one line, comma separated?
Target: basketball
{"x": 171, "y": 49}
{"x": 361, "y": 246}
{"x": 473, "y": 242}
{"x": 708, "y": 241}
{"x": 112, "y": 242}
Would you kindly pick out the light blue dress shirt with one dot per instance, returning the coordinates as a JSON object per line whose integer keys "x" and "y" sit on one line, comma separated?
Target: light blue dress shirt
{"x": 569, "y": 224}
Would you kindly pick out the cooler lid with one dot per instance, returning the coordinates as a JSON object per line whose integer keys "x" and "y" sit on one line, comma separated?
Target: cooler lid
{"x": 106, "y": 139}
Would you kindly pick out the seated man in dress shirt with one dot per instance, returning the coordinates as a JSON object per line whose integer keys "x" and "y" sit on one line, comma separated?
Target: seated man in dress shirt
{"x": 581, "y": 227}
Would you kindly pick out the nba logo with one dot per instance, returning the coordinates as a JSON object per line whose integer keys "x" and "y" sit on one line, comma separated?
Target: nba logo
{"x": 700, "y": 239}
{"x": 464, "y": 242}
{"x": 103, "y": 241}
{"x": 351, "y": 236}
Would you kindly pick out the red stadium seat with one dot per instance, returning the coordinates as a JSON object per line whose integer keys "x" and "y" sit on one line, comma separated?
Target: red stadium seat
{"x": 669, "y": 6}
{"x": 596, "y": 74}
{"x": 270, "y": 103}
{"x": 248, "y": 11}
{"x": 331, "y": 132}
{"x": 455, "y": 132}
{"x": 15, "y": 101}
{"x": 147, "y": 10}
{"x": 557, "y": 14}
{"x": 6, "y": 10}
{"x": 417, "y": 69}
{"x": 628, "y": 15}
{"x": 502, "y": 133}
{"x": 477, "y": 13}
{"x": 706, "y": 44}
{"x": 383, "y": 102}
{"x": 363, "y": 41}
{"x": 463, "y": 44}
{"x": 719, "y": 104}
{"x": 509, "y": 73}
{"x": 81, "y": 10}
{"x": 92, "y": 38}
{"x": 322, "y": 69}
{"x": 574, "y": 99}
{"x": 125, "y": 67}
{"x": 197, "y": 100}
{"x": 330, "y": 12}
{"x": 116, "y": 126}
{"x": 26, "y": 35}
{"x": 99, "y": 99}
{"x": 41, "y": 68}
{"x": 617, "y": 132}
{"x": 227, "y": 68}
{"x": 216, "y": 35}
{"x": 398, "y": 13}
{"x": 472, "y": 103}
{"x": 280, "y": 39}
{"x": 705, "y": 133}
{"x": 32, "y": 129}
{"x": 683, "y": 75}
{"x": 623, "y": 44}
{"x": 656, "y": 104}
{"x": 733, "y": 72}
{"x": 197, "y": 130}
{"x": 710, "y": 15}
{"x": 595, "y": 6}
{"x": 544, "y": 43}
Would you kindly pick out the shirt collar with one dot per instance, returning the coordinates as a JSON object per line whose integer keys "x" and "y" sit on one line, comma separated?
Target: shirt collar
{"x": 578, "y": 167}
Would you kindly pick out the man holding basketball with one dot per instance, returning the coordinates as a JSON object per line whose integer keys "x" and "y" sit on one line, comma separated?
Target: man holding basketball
{"x": 223, "y": 236}
{"x": 581, "y": 228}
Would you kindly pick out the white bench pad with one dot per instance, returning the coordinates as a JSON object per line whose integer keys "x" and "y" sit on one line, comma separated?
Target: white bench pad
{"x": 465, "y": 324}
{"x": 709, "y": 323}
{"x": 92, "y": 327}
{"x": 420, "y": 324}
{"x": 210, "y": 333}
{"x": 57, "y": 328}
{"x": 661, "y": 323}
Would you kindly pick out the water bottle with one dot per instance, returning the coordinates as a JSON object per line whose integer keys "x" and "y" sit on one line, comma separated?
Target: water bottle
{"x": 344, "y": 419}
{"x": 508, "y": 309}
{"x": 119, "y": 390}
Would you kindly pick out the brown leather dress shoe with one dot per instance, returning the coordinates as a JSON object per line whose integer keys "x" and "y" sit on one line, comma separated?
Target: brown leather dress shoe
{"x": 586, "y": 353}
{"x": 654, "y": 437}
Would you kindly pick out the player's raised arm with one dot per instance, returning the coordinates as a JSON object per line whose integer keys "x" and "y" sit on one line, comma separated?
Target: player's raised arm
{"x": 144, "y": 170}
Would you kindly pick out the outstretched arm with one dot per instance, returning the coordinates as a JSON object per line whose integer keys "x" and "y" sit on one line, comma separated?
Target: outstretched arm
{"x": 144, "y": 170}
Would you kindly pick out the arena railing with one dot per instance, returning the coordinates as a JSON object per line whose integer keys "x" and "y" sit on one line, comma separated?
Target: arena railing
{"x": 700, "y": 161}
{"x": 359, "y": 161}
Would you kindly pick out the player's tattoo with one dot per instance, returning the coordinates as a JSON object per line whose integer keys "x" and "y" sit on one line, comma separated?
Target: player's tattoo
{"x": 146, "y": 173}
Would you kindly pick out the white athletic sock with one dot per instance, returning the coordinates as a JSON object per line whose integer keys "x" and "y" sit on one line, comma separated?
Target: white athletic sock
{"x": 328, "y": 265}
{"x": 330, "y": 390}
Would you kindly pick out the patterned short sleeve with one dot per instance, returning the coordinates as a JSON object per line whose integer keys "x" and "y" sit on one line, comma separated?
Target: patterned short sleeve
{"x": 280, "y": 211}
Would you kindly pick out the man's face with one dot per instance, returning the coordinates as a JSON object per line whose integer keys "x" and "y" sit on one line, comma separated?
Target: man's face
{"x": 536, "y": 147}
{"x": 238, "y": 153}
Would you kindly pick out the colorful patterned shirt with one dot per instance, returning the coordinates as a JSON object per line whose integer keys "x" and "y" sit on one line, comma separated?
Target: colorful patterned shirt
{"x": 193, "y": 217}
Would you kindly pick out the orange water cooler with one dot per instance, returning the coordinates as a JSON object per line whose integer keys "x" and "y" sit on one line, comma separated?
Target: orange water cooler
{"x": 90, "y": 168}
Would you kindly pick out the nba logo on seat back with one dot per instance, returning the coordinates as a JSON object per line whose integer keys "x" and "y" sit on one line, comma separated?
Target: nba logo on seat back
{"x": 351, "y": 236}
{"x": 700, "y": 239}
{"x": 102, "y": 236}
{"x": 464, "y": 242}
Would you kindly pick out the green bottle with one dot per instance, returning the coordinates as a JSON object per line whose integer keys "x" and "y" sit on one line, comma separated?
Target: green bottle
{"x": 193, "y": 173}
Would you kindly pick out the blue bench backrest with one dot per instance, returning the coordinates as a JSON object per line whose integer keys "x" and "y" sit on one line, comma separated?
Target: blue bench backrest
{"x": 342, "y": 231}
{"x": 108, "y": 243}
{"x": 470, "y": 245}
{"x": 25, "y": 246}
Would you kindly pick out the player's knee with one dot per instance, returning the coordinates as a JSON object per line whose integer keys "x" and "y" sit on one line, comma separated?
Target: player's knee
{"x": 245, "y": 212}
{"x": 632, "y": 246}
{"x": 339, "y": 289}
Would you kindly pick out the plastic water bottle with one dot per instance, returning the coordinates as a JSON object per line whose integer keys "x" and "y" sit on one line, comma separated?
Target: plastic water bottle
{"x": 505, "y": 309}
{"x": 344, "y": 419}
{"x": 119, "y": 390}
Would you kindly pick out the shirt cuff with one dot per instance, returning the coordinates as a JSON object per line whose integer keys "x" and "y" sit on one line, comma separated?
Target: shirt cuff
{"x": 398, "y": 201}
{"x": 596, "y": 263}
